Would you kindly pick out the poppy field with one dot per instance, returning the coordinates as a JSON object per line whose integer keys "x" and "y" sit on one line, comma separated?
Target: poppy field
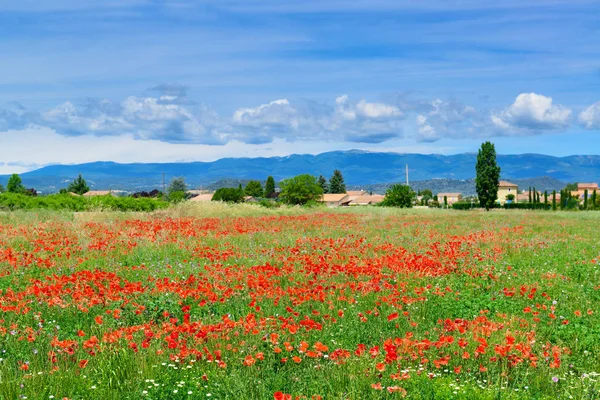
{"x": 312, "y": 304}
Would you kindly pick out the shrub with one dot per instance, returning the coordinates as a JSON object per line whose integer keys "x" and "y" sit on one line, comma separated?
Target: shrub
{"x": 68, "y": 202}
{"x": 229, "y": 195}
{"x": 398, "y": 196}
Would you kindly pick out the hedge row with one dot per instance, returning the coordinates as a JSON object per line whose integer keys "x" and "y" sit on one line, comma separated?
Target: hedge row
{"x": 68, "y": 202}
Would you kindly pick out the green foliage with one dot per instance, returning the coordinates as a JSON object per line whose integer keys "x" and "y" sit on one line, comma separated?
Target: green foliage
{"x": 229, "y": 195}
{"x": 300, "y": 189}
{"x": 15, "y": 185}
{"x": 463, "y": 205}
{"x": 336, "y": 182}
{"x": 266, "y": 203}
{"x": 177, "y": 196}
{"x": 68, "y": 202}
{"x": 2, "y": 189}
{"x": 269, "y": 186}
{"x": 254, "y": 189}
{"x": 488, "y": 175}
{"x": 510, "y": 197}
{"x": 176, "y": 185}
{"x": 554, "y": 200}
{"x": 571, "y": 187}
{"x": 399, "y": 196}
{"x": 526, "y": 206}
{"x": 323, "y": 183}
{"x": 78, "y": 186}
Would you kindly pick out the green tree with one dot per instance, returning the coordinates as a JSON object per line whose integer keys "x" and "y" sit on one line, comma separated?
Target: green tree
{"x": 269, "y": 186}
{"x": 176, "y": 190}
{"x": 300, "y": 189}
{"x": 229, "y": 195}
{"x": 336, "y": 182}
{"x": 445, "y": 201}
{"x": 594, "y": 200}
{"x": 254, "y": 189}
{"x": 15, "y": 185}
{"x": 78, "y": 186}
{"x": 323, "y": 183}
{"x": 585, "y": 199}
{"x": 510, "y": 197}
{"x": 399, "y": 196}
{"x": 546, "y": 199}
{"x": 571, "y": 187}
{"x": 488, "y": 176}
{"x": 554, "y": 200}
{"x": 2, "y": 189}
{"x": 426, "y": 195}
{"x": 530, "y": 201}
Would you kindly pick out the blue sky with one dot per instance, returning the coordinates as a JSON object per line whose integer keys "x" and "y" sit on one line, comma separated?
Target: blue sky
{"x": 180, "y": 80}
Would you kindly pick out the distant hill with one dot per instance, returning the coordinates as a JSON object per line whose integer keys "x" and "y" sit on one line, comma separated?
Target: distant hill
{"x": 360, "y": 168}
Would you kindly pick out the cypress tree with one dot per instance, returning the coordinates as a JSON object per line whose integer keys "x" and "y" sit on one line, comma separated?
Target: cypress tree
{"x": 530, "y": 200}
{"x": 545, "y": 199}
{"x": 270, "y": 186}
{"x": 554, "y": 200}
{"x": 487, "y": 176}
{"x": 585, "y": 199}
{"x": 594, "y": 200}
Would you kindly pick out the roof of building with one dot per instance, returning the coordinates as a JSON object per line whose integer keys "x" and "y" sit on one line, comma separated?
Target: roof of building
{"x": 202, "y": 197}
{"x": 368, "y": 199}
{"x": 333, "y": 197}
{"x": 92, "y": 193}
{"x": 356, "y": 192}
{"x": 507, "y": 184}
{"x": 449, "y": 195}
{"x": 583, "y": 186}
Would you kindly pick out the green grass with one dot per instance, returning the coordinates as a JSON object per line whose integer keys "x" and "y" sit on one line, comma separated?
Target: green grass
{"x": 343, "y": 270}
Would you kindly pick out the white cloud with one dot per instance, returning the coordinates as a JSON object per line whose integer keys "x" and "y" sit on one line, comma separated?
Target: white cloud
{"x": 162, "y": 118}
{"x": 590, "y": 117}
{"x": 171, "y": 117}
{"x": 440, "y": 119}
{"x": 377, "y": 110}
{"x": 363, "y": 122}
{"x": 532, "y": 112}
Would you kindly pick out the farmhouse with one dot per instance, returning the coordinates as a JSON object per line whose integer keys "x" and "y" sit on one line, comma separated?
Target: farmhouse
{"x": 367, "y": 199}
{"x": 94, "y": 193}
{"x": 335, "y": 199}
{"x": 204, "y": 197}
{"x": 582, "y": 187}
{"x": 505, "y": 188}
{"x": 450, "y": 197}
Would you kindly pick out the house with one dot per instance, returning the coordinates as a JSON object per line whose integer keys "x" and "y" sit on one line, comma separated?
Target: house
{"x": 204, "y": 197}
{"x": 335, "y": 199}
{"x": 94, "y": 193}
{"x": 353, "y": 194}
{"x": 367, "y": 199}
{"x": 251, "y": 199}
{"x": 582, "y": 187}
{"x": 521, "y": 197}
{"x": 196, "y": 192}
{"x": 450, "y": 197}
{"x": 505, "y": 188}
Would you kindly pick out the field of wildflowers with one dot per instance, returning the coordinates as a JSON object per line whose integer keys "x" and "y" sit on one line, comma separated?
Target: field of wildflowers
{"x": 347, "y": 304}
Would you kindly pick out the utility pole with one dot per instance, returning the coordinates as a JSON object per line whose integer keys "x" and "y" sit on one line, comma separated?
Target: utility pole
{"x": 407, "y": 175}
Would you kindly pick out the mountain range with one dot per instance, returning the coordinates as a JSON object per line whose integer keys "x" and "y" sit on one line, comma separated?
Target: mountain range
{"x": 373, "y": 170}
